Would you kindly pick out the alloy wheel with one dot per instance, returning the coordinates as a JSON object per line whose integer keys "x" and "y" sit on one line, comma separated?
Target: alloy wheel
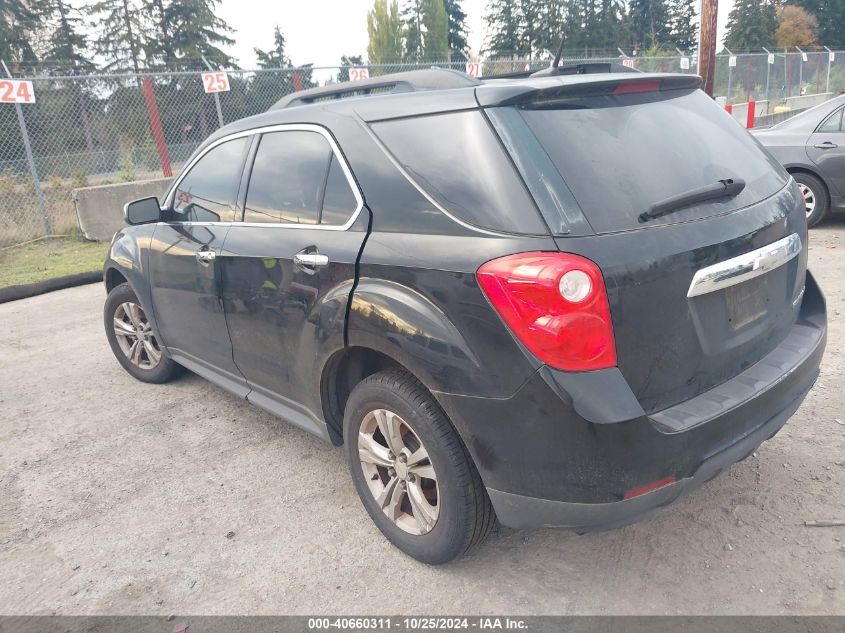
{"x": 135, "y": 336}
{"x": 398, "y": 471}
{"x": 809, "y": 198}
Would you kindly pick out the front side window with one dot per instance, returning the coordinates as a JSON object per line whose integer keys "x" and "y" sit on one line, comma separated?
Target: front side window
{"x": 209, "y": 190}
{"x": 296, "y": 179}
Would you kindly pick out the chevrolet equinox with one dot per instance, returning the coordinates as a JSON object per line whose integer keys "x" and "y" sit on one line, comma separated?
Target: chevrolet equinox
{"x": 559, "y": 300}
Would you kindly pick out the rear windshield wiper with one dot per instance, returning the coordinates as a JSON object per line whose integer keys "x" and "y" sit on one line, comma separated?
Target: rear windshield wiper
{"x": 725, "y": 188}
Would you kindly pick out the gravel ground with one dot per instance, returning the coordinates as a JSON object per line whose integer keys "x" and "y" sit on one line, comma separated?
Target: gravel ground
{"x": 118, "y": 497}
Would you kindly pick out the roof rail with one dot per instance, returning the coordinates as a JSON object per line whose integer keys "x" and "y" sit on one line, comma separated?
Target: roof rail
{"x": 410, "y": 81}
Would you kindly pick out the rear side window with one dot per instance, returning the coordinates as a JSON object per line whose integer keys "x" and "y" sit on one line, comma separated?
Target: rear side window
{"x": 458, "y": 161}
{"x": 833, "y": 123}
{"x": 207, "y": 192}
{"x": 339, "y": 202}
{"x": 620, "y": 154}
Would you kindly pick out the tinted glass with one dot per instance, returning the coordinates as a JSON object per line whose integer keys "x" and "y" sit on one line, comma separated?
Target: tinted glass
{"x": 287, "y": 180}
{"x": 457, "y": 159}
{"x": 620, "y": 154}
{"x": 339, "y": 202}
{"x": 209, "y": 191}
{"x": 833, "y": 123}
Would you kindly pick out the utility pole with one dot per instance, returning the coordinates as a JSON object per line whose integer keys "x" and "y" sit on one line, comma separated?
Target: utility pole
{"x": 707, "y": 44}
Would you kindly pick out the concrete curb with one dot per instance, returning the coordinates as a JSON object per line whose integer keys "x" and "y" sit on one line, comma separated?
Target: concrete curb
{"x": 13, "y": 293}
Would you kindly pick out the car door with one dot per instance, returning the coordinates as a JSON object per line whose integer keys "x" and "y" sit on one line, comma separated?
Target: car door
{"x": 826, "y": 148}
{"x": 288, "y": 269}
{"x": 183, "y": 272}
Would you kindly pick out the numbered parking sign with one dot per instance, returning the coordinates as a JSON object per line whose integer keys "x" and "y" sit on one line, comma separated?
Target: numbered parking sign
{"x": 215, "y": 82}
{"x": 628, "y": 63}
{"x": 474, "y": 69}
{"x": 684, "y": 63}
{"x": 771, "y": 58}
{"x": 732, "y": 60}
{"x": 16, "y": 91}
{"x": 803, "y": 57}
{"x": 831, "y": 56}
{"x": 357, "y": 74}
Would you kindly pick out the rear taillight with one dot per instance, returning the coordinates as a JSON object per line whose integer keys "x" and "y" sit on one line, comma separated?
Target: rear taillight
{"x": 556, "y": 304}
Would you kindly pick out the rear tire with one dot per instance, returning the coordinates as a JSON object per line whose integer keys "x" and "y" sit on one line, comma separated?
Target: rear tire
{"x": 433, "y": 509}
{"x": 132, "y": 339}
{"x": 816, "y": 197}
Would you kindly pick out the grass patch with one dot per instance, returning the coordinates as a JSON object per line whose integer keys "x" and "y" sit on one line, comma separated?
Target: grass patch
{"x": 48, "y": 259}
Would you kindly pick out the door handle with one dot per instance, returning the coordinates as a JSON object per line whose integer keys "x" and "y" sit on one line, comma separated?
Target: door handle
{"x": 826, "y": 145}
{"x": 206, "y": 257}
{"x": 311, "y": 261}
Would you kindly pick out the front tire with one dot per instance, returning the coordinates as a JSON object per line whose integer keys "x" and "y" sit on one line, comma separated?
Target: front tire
{"x": 412, "y": 471}
{"x": 816, "y": 198}
{"x": 132, "y": 339}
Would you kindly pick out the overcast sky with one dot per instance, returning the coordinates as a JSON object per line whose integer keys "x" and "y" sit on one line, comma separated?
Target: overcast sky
{"x": 320, "y": 31}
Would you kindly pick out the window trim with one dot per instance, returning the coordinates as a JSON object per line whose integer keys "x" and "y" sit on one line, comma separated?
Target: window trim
{"x": 282, "y": 127}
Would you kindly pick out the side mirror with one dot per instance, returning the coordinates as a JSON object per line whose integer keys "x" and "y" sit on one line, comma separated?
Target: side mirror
{"x": 142, "y": 211}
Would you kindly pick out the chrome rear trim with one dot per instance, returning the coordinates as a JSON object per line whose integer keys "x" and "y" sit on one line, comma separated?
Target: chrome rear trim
{"x": 744, "y": 267}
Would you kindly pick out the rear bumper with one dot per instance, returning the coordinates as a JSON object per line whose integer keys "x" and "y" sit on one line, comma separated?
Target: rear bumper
{"x": 544, "y": 464}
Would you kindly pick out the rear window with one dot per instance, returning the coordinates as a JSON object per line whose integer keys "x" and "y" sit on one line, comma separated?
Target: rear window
{"x": 620, "y": 154}
{"x": 458, "y": 161}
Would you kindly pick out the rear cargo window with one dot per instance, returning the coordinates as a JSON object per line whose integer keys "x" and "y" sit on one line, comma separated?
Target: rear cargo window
{"x": 458, "y": 161}
{"x": 620, "y": 154}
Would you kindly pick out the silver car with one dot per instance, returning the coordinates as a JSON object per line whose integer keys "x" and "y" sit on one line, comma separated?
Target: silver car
{"x": 811, "y": 145}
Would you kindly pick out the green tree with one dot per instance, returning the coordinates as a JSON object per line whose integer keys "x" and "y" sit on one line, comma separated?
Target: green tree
{"x": 119, "y": 29}
{"x": 275, "y": 57}
{"x": 683, "y": 30}
{"x": 649, "y": 22}
{"x": 346, "y": 62}
{"x": 751, "y": 25}
{"x": 436, "y": 23}
{"x": 458, "y": 45}
{"x": 158, "y": 46}
{"x": 196, "y": 32}
{"x": 67, "y": 44}
{"x": 19, "y": 21}
{"x": 384, "y": 28}
{"x": 412, "y": 29}
{"x": 504, "y": 28}
{"x": 831, "y": 17}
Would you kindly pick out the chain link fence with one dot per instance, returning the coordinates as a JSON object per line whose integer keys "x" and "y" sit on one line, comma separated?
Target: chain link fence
{"x": 106, "y": 129}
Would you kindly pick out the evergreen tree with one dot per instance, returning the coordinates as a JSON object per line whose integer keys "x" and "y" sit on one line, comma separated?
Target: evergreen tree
{"x": 683, "y": 29}
{"x": 67, "y": 45}
{"x": 196, "y": 32}
{"x": 119, "y": 32}
{"x": 831, "y": 16}
{"x": 606, "y": 30}
{"x": 649, "y": 20}
{"x": 346, "y": 62}
{"x": 436, "y": 37}
{"x": 457, "y": 28}
{"x": 19, "y": 20}
{"x": 751, "y": 25}
{"x": 275, "y": 57}
{"x": 384, "y": 28}
{"x": 504, "y": 28}
{"x": 158, "y": 46}
{"x": 412, "y": 27}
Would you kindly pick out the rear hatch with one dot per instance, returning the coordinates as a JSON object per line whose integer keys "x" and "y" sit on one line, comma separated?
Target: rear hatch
{"x": 598, "y": 155}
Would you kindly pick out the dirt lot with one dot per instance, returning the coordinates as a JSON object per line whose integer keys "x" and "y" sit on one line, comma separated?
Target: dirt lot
{"x": 121, "y": 497}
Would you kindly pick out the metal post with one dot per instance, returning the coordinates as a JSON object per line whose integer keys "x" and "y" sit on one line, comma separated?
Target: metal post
{"x": 827, "y": 87}
{"x": 800, "y": 71}
{"x": 39, "y": 194}
{"x": 216, "y": 96}
{"x": 768, "y": 74}
{"x": 730, "y": 73}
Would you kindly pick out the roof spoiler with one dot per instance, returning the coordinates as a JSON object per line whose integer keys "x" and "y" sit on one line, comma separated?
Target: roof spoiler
{"x": 545, "y": 89}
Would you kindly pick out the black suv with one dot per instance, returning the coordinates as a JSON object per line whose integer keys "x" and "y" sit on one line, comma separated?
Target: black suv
{"x": 559, "y": 300}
